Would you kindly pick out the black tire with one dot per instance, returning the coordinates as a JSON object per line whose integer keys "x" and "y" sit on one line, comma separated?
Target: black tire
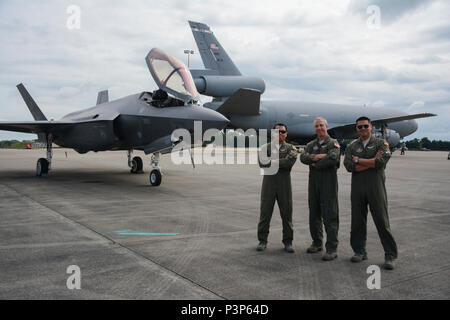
{"x": 137, "y": 165}
{"x": 41, "y": 167}
{"x": 155, "y": 178}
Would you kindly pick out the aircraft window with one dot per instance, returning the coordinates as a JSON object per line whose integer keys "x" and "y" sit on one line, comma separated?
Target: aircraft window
{"x": 163, "y": 70}
{"x": 171, "y": 77}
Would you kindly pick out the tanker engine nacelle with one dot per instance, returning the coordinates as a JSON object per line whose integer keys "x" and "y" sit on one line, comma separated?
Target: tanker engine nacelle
{"x": 392, "y": 137}
{"x": 225, "y": 86}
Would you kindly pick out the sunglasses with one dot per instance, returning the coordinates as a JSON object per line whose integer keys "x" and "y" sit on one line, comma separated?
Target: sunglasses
{"x": 365, "y": 126}
{"x": 282, "y": 131}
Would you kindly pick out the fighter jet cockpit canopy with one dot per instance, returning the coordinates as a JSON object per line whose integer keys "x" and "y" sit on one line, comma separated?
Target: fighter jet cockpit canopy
{"x": 172, "y": 76}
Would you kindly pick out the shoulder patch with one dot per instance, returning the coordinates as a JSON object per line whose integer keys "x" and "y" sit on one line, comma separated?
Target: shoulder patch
{"x": 386, "y": 144}
{"x": 337, "y": 145}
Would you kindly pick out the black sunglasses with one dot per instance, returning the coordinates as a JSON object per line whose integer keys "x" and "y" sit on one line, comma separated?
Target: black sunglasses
{"x": 365, "y": 126}
{"x": 282, "y": 131}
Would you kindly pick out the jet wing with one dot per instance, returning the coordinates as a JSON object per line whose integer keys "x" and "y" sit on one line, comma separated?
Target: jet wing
{"x": 349, "y": 129}
{"x": 43, "y": 126}
{"x": 33, "y": 126}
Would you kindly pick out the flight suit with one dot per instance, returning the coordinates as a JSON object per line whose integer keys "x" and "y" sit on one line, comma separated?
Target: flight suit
{"x": 323, "y": 191}
{"x": 277, "y": 187}
{"x": 368, "y": 188}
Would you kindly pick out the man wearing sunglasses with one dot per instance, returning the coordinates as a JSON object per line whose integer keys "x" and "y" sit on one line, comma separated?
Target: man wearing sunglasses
{"x": 277, "y": 187}
{"x": 366, "y": 158}
{"x": 323, "y": 156}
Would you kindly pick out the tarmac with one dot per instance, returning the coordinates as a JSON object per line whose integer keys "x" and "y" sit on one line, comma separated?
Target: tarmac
{"x": 194, "y": 236}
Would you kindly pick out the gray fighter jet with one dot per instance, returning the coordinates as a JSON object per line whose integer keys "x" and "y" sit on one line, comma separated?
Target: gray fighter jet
{"x": 238, "y": 98}
{"x": 143, "y": 121}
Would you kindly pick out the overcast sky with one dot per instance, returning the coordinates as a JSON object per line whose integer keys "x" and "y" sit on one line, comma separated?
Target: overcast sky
{"x": 322, "y": 51}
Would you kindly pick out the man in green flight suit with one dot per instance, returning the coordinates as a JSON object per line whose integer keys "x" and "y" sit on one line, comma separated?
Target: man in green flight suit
{"x": 366, "y": 158}
{"x": 276, "y": 185}
{"x": 323, "y": 156}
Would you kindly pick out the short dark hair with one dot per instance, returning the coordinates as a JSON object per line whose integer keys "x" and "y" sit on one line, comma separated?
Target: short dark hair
{"x": 280, "y": 125}
{"x": 362, "y": 119}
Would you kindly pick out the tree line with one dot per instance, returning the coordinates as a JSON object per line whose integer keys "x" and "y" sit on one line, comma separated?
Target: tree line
{"x": 437, "y": 145}
{"x": 15, "y": 144}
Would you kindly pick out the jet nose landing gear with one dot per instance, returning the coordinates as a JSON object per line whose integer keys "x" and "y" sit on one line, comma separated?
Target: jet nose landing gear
{"x": 155, "y": 174}
{"x": 136, "y": 166}
{"x": 155, "y": 177}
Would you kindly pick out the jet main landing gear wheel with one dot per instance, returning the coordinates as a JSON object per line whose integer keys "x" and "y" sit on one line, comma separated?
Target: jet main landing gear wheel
{"x": 137, "y": 165}
{"x": 41, "y": 167}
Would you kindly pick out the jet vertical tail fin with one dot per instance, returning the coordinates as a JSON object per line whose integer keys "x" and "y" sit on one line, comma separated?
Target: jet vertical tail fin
{"x": 34, "y": 109}
{"x": 31, "y": 104}
{"x": 102, "y": 97}
{"x": 213, "y": 55}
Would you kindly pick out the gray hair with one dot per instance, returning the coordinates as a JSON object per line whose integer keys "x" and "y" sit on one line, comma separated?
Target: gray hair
{"x": 323, "y": 119}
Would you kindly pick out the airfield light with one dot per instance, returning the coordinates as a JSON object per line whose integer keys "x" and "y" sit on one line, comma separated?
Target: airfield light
{"x": 188, "y": 52}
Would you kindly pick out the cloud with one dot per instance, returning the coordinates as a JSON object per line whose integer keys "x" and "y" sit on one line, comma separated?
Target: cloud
{"x": 435, "y": 128}
{"x": 65, "y": 92}
{"x": 378, "y": 104}
{"x": 431, "y": 59}
{"x": 416, "y": 106}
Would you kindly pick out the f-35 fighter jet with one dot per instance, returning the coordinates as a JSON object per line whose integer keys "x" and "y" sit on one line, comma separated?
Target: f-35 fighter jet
{"x": 143, "y": 121}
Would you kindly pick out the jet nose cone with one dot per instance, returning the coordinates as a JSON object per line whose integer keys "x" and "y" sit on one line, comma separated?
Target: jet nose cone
{"x": 213, "y": 119}
{"x": 221, "y": 118}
